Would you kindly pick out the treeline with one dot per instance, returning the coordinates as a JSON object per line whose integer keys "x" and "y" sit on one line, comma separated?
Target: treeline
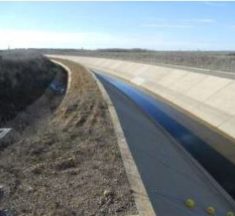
{"x": 212, "y": 60}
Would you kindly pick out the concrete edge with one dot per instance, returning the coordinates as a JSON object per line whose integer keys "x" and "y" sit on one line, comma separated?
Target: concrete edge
{"x": 187, "y": 155}
{"x": 176, "y": 106}
{"x": 142, "y": 200}
{"x": 218, "y": 129}
{"x": 195, "y": 163}
{"x": 218, "y": 73}
{"x": 68, "y": 72}
{"x": 214, "y": 183}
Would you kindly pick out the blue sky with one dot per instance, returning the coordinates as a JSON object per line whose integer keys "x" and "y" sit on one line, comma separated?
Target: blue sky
{"x": 91, "y": 25}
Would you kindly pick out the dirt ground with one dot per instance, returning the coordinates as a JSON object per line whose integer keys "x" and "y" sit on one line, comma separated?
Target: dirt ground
{"x": 70, "y": 164}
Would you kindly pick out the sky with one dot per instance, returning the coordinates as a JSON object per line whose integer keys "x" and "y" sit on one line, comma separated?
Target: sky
{"x": 93, "y": 25}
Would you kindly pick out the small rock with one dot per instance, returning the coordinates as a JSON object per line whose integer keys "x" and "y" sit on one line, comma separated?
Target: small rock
{"x": 108, "y": 193}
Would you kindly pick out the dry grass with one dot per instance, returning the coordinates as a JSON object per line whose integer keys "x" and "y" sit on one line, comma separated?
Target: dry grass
{"x": 213, "y": 60}
{"x": 71, "y": 165}
{"x": 24, "y": 76}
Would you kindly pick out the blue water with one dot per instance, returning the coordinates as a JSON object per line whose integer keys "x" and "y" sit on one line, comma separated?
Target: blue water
{"x": 222, "y": 170}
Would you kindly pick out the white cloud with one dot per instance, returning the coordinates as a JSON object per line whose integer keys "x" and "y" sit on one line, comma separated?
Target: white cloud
{"x": 39, "y": 39}
{"x": 93, "y": 40}
{"x": 88, "y": 40}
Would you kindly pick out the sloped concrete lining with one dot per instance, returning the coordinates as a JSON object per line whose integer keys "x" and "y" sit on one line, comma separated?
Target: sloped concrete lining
{"x": 209, "y": 98}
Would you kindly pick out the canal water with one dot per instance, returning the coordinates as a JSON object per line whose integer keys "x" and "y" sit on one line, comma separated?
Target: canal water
{"x": 220, "y": 168}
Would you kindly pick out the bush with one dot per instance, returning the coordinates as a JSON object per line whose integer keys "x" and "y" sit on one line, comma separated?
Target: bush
{"x": 24, "y": 76}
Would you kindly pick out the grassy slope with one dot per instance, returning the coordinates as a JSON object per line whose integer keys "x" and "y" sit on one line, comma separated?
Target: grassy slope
{"x": 67, "y": 165}
{"x": 24, "y": 76}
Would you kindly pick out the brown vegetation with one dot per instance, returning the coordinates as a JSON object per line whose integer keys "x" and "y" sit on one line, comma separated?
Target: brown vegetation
{"x": 24, "y": 77}
{"x": 71, "y": 164}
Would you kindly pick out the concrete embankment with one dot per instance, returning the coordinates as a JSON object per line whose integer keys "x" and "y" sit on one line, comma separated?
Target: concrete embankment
{"x": 206, "y": 97}
{"x": 161, "y": 160}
